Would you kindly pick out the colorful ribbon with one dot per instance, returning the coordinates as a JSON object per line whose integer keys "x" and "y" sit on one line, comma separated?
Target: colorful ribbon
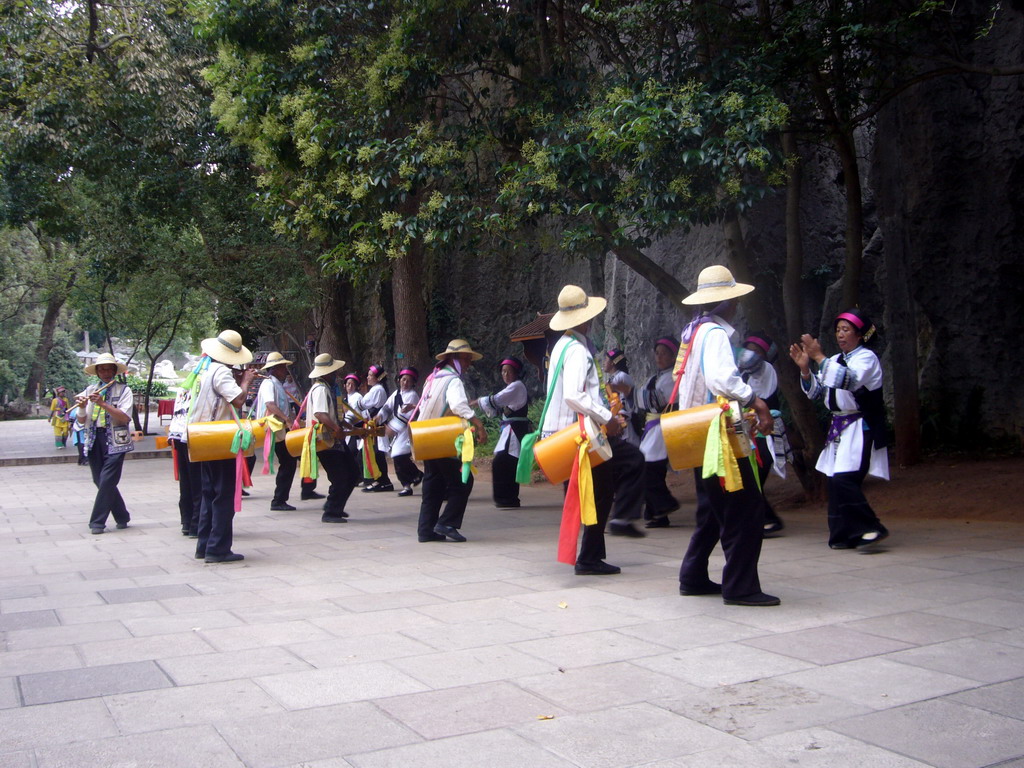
{"x": 465, "y": 448}
{"x": 719, "y": 458}
{"x": 579, "y": 507}
{"x": 370, "y": 468}
{"x": 273, "y": 426}
{"x": 309, "y": 464}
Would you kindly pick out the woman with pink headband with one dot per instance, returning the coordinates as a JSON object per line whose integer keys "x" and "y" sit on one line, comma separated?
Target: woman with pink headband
{"x": 511, "y": 403}
{"x": 373, "y": 401}
{"x": 850, "y": 383}
{"x": 395, "y": 417}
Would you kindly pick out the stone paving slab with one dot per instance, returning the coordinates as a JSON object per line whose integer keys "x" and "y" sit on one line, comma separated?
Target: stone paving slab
{"x": 342, "y": 646}
{"x": 91, "y": 682}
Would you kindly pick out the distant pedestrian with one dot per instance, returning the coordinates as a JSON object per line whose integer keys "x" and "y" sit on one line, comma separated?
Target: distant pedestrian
{"x": 59, "y": 418}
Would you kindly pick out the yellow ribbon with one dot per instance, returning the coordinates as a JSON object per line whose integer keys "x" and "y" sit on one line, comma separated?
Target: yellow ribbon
{"x": 588, "y": 507}
{"x": 466, "y": 448}
{"x": 719, "y": 458}
{"x": 273, "y": 423}
{"x": 309, "y": 467}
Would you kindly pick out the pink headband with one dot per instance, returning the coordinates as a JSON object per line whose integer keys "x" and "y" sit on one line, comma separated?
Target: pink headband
{"x": 354, "y": 377}
{"x": 408, "y": 372}
{"x": 852, "y": 319}
{"x": 670, "y": 343}
{"x": 377, "y": 371}
{"x": 759, "y": 342}
{"x": 514, "y": 363}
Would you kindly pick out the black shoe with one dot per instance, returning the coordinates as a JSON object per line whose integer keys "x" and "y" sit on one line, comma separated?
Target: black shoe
{"x": 449, "y": 531}
{"x": 325, "y": 518}
{"x": 600, "y": 568}
{"x": 432, "y": 537}
{"x": 771, "y": 530}
{"x": 378, "y": 487}
{"x": 230, "y": 557}
{"x": 245, "y": 492}
{"x": 96, "y": 531}
{"x": 710, "y": 588}
{"x": 405, "y": 492}
{"x": 657, "y": 522}
{"x": 756, "y": 600}
{"x": 193, "y": 535}
{"x": 418, "y": 480}
{"x": 184, "y": 531}
{"x": 282, "y": 506}
{"x": 311, "y": 495}
{"x": 507, "y": 504}
{"x": 872, "y": 537}
{"x": 200, "y": 555}
{"x": 841, "y": 545}
{"x": 618, "y": 529}
{"x": 121, "y": 526}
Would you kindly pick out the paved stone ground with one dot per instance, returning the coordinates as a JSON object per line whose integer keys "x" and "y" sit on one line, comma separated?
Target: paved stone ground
{"x": 355, "y": 645}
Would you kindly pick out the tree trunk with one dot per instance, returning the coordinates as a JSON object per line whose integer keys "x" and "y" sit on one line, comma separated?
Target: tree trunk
{"x": 808, "y": 440}
{"x": 37, "y": 373}
{"x": 792, "y": 280}
{"x": 643, "y": 265}
{"x": 847, "y": 152}
{"x": 411, "y": 346}
{"x": 899, "y": 316}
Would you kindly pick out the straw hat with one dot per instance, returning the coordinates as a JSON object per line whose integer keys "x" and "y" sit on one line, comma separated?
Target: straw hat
{"x": 275, "y": 359}
{"x": 458, "y": 347}
{"x": 324, "y": 364}
{"x": 106, "y": 359}
{"x": 715, "y": 284}
{"x": 575, "y": 308}
{"x": 227, "y": 348}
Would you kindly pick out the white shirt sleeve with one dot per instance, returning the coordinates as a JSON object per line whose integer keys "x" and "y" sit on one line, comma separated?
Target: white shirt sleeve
{"x": 264, "y": 395}
{"x": 575, "y": 389}
{"x": 720, "y": 373}
{"x": 458, "y": 403}
{"x": 224, "y": 384}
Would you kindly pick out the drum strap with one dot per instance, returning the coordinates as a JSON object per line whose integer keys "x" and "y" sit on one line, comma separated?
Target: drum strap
{"x": 682, "y": 367}
{"x": 524, "y": 469}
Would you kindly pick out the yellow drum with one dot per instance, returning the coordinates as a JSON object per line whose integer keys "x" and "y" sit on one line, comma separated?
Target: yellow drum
{"x": 211, "y": 440}
{"x": 293, "y": 441}
{"x": 435, "y": 438}
{"x": 686, "y": 434}
{"x": 555, "y": 454}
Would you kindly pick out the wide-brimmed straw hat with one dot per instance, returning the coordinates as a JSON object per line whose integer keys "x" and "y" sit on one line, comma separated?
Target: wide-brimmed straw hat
{"x": 275, "y": 359}
{"x": 458, "y": 347}
{"x": 575, "y": 308}
{"x": 715, "y": 284}
{"x": 324, "y": 364}
{"x": 106, "y": 359}
{"x": 226, "y": 347}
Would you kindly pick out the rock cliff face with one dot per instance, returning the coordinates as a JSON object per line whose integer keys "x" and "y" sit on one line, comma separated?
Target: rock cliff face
{"x": 943, "y": 175}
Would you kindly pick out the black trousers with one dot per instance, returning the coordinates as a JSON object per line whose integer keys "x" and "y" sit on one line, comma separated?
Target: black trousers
{"x": 217, "y": 512}
{"x": 618, "y": 483}
{"x": 342, "y": 473}
{"x": 659, "y": 501}
{"x": 628, "y": 469}
{"x": 503, "y": 480}
{"x": 106, "y": 474}
{"x": 442, "y": 479}
{"x": 286, "y": 465}
{"x": 737, "y": 519}
{"x": 849, "y": 514}
{"x": 190, "y": 488}
{"x": 406, "y": 470}
{"x": 767, "y": 454}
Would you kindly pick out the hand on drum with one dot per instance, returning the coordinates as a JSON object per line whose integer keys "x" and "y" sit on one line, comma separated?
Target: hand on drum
{"x": 615, "y": 426}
